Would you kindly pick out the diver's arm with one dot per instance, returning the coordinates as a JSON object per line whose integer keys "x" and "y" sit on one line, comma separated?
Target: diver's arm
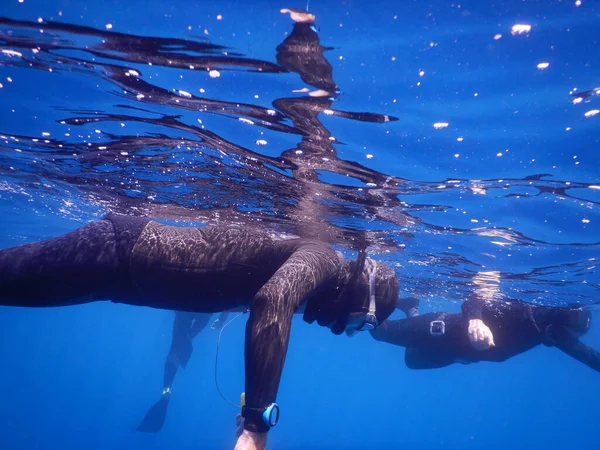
{"x": 268, "y": 327}
{"x": 480, "y": 335}
{"x": 385, "y": 331}
{"x": 396, "y": 332}
{"x": 573, "y": 347}
{"x": 472, "y": 308}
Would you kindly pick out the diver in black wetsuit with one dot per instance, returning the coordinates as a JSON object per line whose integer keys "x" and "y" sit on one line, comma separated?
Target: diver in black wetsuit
{"x": 185, "y": 328}
{"x": 140, "y": 262}
{"x": 437, "y": 340}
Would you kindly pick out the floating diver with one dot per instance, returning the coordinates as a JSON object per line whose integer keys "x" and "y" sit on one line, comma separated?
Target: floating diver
{"x": 437, "y": 340}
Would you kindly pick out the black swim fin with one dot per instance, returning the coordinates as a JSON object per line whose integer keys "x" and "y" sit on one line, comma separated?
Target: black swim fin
{"x": 155, "y": 417}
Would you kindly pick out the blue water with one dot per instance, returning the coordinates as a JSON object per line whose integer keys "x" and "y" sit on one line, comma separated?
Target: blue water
{"x": 505, "y": 198}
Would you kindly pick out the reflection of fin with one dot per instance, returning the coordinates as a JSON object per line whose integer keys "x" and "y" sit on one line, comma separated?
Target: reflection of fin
{"x": 184, "y": 352}
{"x": 155, "y": 417}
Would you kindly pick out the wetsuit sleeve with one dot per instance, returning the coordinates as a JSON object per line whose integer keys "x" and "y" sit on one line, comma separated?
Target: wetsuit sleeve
{"x": 573, "y": 347}
{"x": 268, "y": 328}
{"x": 472, "y": 309}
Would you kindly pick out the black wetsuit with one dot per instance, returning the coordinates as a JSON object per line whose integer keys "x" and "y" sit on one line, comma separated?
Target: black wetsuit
{"x": 211, "y": 269}
{"x": 516, "y": 327}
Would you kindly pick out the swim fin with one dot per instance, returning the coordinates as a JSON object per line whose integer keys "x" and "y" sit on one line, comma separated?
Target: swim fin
{"x": 155, "y": 417}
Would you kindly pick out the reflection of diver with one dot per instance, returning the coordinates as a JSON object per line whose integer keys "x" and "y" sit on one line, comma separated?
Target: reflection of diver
{"x": 209, "y": 269}
{"x": 185, "y": 328}
{"x": 436, "y": 340}
{"x": 301, "y": 52}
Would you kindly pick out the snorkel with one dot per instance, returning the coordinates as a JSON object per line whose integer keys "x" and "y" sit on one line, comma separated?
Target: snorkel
{"x": 365, "y": 321}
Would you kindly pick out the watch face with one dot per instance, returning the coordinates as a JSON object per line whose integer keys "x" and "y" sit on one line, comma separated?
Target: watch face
{"x": 437, "y": 328}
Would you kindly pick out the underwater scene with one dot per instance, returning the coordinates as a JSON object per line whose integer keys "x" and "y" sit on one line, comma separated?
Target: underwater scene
{"x": 321, "y": 225}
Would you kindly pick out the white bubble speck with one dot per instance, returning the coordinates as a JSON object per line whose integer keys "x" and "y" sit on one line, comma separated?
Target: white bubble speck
{"x": 460, "y": 139}
{"x": 108, "y": 26}
{"x": 249, "y": 122}
{"x": 520, "y": 28}
{"x": 214, "y": 74}
{"x": 497, "y": 36}
{"x": 543, "y": 65}
{"x": 45, "y": 133}
{"x": 421, "y": 73}
{"x": 439, "y": 125}
{"x": 585, "y": 220}
{"x": 261, "y": 142}
{"x": 592, "y": 112}
{"x": 499, "y": 154}
{"x": 185, "y": 94}
{"x": 219, "y": 17}
{"x": 369, "y": 156}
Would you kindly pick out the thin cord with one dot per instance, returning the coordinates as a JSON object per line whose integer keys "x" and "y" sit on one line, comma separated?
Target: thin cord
{"x": 217, "y": 359}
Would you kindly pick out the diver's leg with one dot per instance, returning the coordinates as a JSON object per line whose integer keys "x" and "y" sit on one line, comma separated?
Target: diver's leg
{"x": 181, "y": 347}
{"x": 573, "y": 347}
{"x": 78, "y": 267}
{"x": 200, "y": 323}
{"x": 220, "y": 322}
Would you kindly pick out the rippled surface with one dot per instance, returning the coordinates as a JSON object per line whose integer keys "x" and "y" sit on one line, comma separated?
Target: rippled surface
{"x": 466, "y": 172}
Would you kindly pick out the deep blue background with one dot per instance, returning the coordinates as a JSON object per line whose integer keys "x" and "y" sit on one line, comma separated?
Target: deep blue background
{"x": 79, "y": 377}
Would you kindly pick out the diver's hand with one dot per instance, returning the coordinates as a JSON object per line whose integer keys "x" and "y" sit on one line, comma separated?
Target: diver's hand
{"x": 239, "y": 423}
{"x": 480, "y": 335}
{"x": 250, "y": 440}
